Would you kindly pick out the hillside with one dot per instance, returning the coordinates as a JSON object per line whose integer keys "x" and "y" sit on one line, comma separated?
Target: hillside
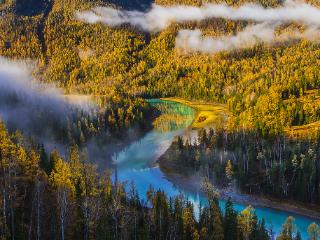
{"x": 261, "y": 84}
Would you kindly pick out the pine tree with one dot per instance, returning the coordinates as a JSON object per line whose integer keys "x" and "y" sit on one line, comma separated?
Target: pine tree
{"x": 246, "y": 221}
{"x": 230, "y": 222}
{"x": 289, "y": 230}
{"x": 160, "y": 215}
{"x": 61, "y": 179}
{"x": 216, "y": 223}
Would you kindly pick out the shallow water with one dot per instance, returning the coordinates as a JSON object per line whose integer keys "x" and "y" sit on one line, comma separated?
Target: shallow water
{"x": 136, "y": 164}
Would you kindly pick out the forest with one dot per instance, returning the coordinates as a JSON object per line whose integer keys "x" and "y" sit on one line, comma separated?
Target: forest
{"x": 269, "y": 146}
{"x": 278, "y": 167}
{"x": 267, "y": 87}
{"x": 46, "y": 196}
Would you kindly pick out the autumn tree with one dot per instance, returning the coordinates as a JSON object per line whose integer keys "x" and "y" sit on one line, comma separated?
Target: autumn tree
{"x": 314, "y": 231}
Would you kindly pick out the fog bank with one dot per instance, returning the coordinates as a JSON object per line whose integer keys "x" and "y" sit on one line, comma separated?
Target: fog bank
{"x": 38, "y": 110}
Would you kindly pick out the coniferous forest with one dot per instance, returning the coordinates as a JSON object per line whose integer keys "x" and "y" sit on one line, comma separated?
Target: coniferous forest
{"x": 90, "y": 89}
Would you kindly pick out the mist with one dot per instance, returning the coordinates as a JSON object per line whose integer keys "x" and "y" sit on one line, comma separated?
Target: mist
{"x": 189, "y": 41}
{"x": 42, "y": 112}
{"x": 160, "y": 17}
{"x": 37, "y": 110}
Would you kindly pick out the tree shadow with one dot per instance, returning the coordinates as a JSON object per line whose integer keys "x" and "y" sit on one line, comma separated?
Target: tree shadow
{"x": 31, "y": 7}
{"x": 140, "y": 5}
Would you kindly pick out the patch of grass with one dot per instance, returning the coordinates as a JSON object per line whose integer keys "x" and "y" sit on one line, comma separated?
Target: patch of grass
{"x": 305, "y": 131}
{"x": 207, "y": 114}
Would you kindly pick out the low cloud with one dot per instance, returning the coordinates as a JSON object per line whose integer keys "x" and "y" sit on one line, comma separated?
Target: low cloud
{"x": 160, "y": 17}
{"x": 38, "y": 110}
{"x": 189, "y": 41}
{"x": 193, "y": 41}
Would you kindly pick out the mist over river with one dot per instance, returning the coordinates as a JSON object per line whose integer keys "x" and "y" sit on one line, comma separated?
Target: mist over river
{"x": 137, "y": 164}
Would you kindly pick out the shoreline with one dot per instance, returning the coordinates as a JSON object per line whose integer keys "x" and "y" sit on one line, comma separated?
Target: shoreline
{"x": 274, "y": 204}
{"x": 207, "y": 114}
{"x": 289, "y": 206}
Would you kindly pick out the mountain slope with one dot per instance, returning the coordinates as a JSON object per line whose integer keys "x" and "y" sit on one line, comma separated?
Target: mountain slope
{"x": 261, "y": 85}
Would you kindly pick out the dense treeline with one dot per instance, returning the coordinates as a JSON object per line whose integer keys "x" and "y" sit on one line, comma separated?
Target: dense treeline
{"x": 269, "y": 3}
{"x": 266, "y": 3}
{"x": 18, "y": 37}
{"x": 278, "y": 167}
{"x": 46, "y": 197}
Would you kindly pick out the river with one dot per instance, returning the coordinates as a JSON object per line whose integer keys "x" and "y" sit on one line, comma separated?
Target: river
{"x": 137, "y": 164}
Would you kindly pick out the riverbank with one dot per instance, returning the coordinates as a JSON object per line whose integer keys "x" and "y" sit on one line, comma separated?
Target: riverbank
{"x": 310, "y": 211}
{"x": 215, "y": 115}
{"x": 207, "y": 114}
{"x": 191, "y": 181}
{"x": 193, "y": 184}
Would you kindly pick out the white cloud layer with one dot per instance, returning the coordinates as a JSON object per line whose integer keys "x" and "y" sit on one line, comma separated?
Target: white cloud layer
{"x": 193, "y": 41}
{"x": 189, "y": 41}
{"x": 160, "y": 17}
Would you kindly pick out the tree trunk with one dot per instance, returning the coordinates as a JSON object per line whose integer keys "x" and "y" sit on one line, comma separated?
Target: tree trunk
{"x": 63, "y": 209}
{"x": 38, "y": 209}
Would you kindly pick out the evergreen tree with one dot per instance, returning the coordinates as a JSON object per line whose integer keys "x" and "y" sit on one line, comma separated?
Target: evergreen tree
{"x": 230, "y": 222}
{"x": 246, "y": 222}
{"x": 289, "y": 230}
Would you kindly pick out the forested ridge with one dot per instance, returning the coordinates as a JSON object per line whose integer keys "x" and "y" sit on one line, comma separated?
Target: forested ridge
{"x": 271, "y": 90}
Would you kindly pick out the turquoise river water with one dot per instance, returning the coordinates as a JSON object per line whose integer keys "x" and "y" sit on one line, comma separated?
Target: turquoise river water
{"x": 137, "y": 164}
